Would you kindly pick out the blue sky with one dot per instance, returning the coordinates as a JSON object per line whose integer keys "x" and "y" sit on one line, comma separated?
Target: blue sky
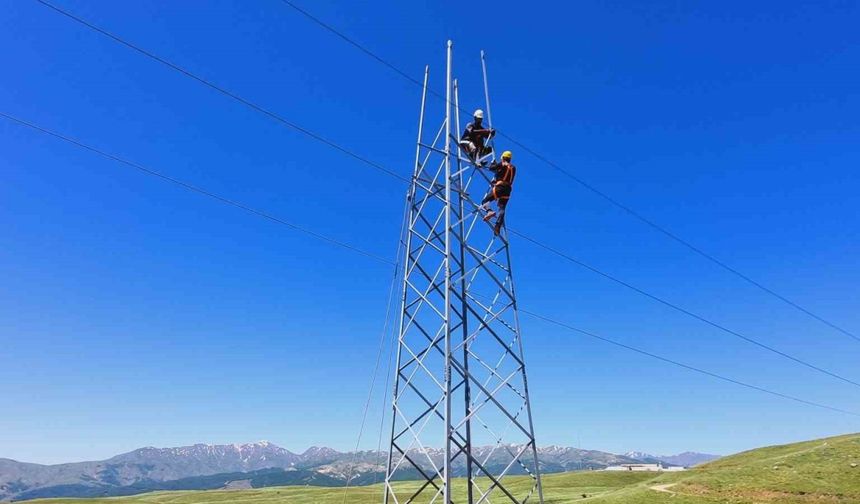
{"x": 135, "y": 313}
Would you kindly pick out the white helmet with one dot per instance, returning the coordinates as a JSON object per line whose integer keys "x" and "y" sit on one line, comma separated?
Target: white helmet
{"x": 479, "y": 114}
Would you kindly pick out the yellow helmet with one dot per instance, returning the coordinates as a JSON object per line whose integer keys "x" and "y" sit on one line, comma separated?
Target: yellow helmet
{"x": 507, "y": 155}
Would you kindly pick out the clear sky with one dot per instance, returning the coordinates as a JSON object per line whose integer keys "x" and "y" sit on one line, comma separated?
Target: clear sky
{"x": 135, "y": 313}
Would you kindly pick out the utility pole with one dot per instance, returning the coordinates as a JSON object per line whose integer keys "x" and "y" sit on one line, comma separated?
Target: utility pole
{"x": 461, "y": 406}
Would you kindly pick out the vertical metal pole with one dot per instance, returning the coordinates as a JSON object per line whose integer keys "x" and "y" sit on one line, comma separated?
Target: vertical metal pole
{"x": 448, "y": 419}
{"x": 421, "y": 123}
{"x": 486, "y": 90}
{"x": 464, "y": 307}
{"x": 408, "y": 247}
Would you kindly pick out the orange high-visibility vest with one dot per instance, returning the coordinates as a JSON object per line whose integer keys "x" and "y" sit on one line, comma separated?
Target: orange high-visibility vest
{"x": 507, "y": 178}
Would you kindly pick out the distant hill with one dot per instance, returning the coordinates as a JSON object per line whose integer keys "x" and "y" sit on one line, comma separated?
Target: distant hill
{"x": 203, "y": 466}
{"x": 686, "y": 459}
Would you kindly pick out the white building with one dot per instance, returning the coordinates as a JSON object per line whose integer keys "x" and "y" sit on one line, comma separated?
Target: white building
{"x": 644, "y": 468}
{"x": 674, "y": 468}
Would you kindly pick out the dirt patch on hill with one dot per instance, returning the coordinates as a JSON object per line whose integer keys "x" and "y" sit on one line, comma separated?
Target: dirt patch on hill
{"x": 663, "y": 488}
{"x": 761, "y": 495}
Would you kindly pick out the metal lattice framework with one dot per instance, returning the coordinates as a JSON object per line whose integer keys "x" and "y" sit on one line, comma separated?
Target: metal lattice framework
{"x": 461, "y": 402}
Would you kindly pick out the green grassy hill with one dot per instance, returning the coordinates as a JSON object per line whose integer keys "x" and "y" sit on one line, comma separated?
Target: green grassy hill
{"x": 812, "y": 471}
{"x": 817, "y": 471}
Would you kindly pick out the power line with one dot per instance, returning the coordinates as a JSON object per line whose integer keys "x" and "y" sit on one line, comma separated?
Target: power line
{"x": 388, "y": 311}
{"x": 395, "y": 332}
{"x": 358, "y": 46}
{"x": 680, "y": 309}
{"x": 367, "y": 254}
{"x": 225, "y": 92}
{"x": 385, "y": 399}
{"x": 387, "y": 171}
{"x": 633, "y": 213}
{"x": 190, "y": 187}
{"x": 685, "y": 366}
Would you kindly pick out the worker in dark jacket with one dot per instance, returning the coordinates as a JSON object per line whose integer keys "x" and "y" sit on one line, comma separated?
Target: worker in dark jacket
{"x": 500, "y": 190}
{"x": 475, "y": 135}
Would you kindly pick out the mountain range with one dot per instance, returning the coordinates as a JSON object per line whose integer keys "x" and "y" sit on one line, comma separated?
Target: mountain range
{"x": 204, "y": 466}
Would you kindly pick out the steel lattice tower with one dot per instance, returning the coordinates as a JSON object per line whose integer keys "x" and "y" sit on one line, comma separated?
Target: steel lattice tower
{"x": 461, "y": 404}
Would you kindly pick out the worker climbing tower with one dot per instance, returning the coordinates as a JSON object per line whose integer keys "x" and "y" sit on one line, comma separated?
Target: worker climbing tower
{"x": 461, "y": 405}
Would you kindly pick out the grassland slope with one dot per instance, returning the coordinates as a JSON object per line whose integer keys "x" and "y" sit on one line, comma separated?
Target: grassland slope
{"x": 823, "y": 470}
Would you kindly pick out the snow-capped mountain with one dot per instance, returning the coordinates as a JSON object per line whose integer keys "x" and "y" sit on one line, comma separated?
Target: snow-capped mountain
{"x": 163, "y": 464}
{"x": 317, "y": 455}
{"x": 146, "y": 465}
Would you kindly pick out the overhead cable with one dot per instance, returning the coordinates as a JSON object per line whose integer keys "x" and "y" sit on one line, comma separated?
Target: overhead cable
{"x": 197, "y": 189}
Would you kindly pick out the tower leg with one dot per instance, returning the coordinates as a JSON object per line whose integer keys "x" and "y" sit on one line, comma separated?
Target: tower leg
{"x": 449, "y": 432}
{"x": 464, "y": 309}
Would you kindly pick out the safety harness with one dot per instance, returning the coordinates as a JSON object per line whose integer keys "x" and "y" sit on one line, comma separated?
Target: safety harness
{"x": 507, "y": 179}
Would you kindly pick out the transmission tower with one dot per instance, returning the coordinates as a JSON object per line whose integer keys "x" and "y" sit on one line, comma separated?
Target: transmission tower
{"x": 461, "y": 405}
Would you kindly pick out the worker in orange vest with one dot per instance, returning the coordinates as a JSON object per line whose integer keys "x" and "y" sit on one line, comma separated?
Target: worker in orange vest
{"x": 500, "y": 190}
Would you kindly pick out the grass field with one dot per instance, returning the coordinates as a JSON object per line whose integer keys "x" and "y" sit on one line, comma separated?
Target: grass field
{"x": 818, "y": 471}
